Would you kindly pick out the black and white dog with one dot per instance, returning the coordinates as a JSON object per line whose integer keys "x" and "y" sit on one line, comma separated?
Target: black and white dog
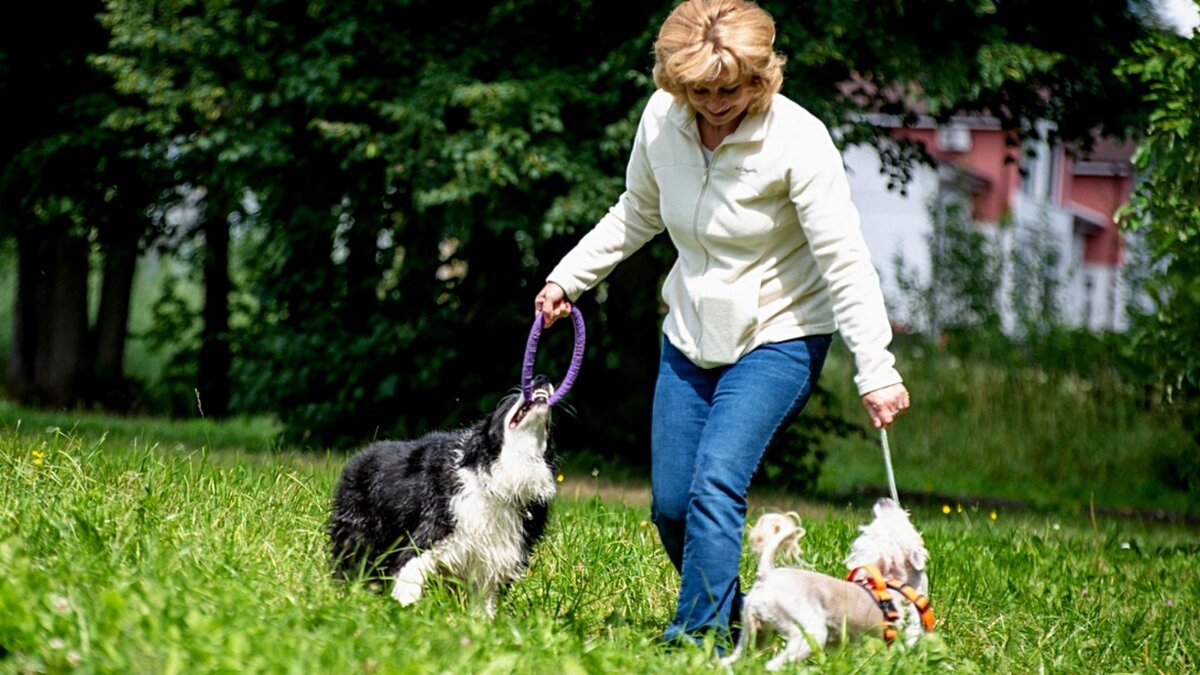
{"x": 469, "y": 503}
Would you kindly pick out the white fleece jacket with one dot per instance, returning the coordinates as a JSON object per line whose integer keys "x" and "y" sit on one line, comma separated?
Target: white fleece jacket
{"x": 769, "y": 242}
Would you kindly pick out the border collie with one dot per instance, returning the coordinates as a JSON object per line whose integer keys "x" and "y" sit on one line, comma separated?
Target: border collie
{"x": 469, "y": 503}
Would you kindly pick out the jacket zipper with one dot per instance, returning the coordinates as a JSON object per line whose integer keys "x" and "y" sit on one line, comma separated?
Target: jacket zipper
{"x": 696, "y": 229}
{"x": 700, "y": 202}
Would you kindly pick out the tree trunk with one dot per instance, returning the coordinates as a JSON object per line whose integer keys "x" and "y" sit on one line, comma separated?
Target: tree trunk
{"x": 215, "y": 356}
{"x": 112, "y": 322}
{"x": 24, "y": 327}
{"x": 50, "y": 327}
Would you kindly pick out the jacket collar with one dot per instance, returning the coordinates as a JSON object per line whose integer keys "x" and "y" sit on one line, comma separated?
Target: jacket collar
{"x": 752, "y": 128}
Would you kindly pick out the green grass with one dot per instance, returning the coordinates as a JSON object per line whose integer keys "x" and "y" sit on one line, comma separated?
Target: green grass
{"x": 245, "y": 435}
{"x": 1005, "y": 432}
{"x": 143, "y": 552}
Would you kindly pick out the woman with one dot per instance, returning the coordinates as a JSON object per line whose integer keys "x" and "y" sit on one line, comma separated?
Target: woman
{"x": 752, "y": 192}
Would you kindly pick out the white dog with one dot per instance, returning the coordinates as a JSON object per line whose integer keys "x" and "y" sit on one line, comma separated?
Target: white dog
{"x": 802, "y": 605}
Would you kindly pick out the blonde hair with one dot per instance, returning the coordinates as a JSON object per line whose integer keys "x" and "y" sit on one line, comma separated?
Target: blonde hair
{"x": 709, "y": 41}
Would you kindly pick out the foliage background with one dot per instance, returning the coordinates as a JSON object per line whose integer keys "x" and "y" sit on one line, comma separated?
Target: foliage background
{"x": 354, "y": 204}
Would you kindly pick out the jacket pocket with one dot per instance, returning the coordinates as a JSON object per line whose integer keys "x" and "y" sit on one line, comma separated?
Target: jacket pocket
{"x": 727, "y": 313}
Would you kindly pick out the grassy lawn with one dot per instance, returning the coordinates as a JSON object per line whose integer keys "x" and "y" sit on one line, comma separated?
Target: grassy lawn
{"x": 150, "y": 547}
{"x": 1009, "y": 433}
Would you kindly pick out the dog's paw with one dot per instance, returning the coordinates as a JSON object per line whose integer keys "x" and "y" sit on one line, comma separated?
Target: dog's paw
{"x": 406, "y": 592}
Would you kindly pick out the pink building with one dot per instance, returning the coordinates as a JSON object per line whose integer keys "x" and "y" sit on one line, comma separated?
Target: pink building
{"x": 1063, "y": 199}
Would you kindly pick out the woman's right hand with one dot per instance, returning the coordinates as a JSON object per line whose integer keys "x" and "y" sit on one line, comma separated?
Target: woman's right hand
{"x": 552, "y": 302}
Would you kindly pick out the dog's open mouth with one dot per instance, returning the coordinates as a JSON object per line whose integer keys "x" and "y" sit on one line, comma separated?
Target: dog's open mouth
{"x": 541, "y": 399}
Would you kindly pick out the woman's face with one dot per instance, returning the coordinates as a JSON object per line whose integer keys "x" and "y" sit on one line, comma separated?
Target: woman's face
{"x": 720, "y": 103}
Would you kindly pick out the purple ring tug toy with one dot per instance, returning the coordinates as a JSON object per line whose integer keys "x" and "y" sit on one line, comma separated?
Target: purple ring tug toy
{"x": 531, "y": 351}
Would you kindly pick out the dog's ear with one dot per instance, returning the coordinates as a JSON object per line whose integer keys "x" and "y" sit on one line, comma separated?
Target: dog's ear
{"x": 794, "y": 520}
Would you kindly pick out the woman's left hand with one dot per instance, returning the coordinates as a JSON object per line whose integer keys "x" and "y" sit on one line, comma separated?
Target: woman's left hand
{"x": 885, "y": 405}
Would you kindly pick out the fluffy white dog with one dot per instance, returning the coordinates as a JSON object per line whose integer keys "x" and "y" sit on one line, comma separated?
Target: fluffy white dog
{"x": 811, "y": 609}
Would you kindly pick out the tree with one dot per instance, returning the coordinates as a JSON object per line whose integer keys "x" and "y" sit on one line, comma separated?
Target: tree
{"x": 1013, "y": 60}
{"x": 70, "y": 190}
{"x": 201, "y": 82}
{"x": 1165, "y": 211}
{"x": 399, "y": 176}
{"x": 962, "y": 293}
{"x": 403, "y": 182}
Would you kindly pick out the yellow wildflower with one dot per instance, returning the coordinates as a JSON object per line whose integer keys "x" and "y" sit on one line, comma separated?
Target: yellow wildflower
{"x": 945, "y": 508}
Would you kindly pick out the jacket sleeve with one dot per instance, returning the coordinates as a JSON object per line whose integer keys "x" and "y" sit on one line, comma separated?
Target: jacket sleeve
{"x": 821, "y": 195}
{"x": 628, "y": 225}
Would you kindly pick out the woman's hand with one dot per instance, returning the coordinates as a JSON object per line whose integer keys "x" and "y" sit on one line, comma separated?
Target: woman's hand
{"x": 552, "y": 302}
{"x": 885, "y": 405}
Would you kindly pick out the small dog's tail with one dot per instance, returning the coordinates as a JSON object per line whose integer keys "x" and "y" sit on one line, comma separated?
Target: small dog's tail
{"x": 783, "y": 530}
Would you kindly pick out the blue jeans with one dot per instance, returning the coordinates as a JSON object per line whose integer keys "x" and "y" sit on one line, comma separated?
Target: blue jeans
{"x": 709, "y": 431}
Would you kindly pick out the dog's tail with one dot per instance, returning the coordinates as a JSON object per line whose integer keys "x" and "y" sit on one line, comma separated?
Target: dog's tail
{"x": 787, "y": 533}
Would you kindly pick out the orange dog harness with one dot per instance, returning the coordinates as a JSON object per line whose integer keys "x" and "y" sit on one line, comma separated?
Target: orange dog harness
{"x": 869, "y": 577}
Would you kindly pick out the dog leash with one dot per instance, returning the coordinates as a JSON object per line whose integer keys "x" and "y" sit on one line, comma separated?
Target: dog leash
{"x": 887, "y": 462}
{"x": 531, "y": 351}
